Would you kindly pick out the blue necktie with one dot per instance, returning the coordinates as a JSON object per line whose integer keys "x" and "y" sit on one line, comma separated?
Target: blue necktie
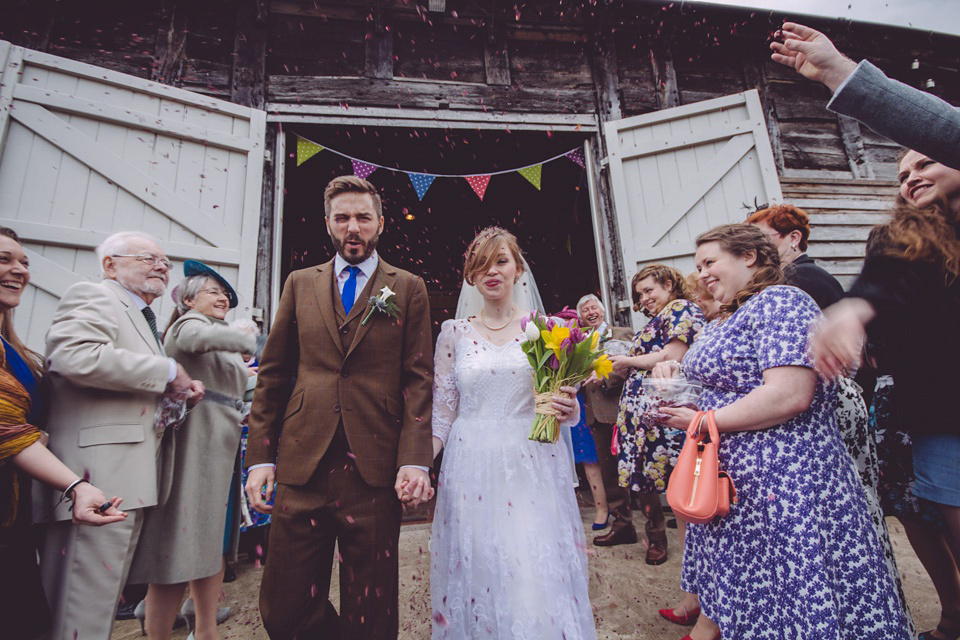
{"x": 350, "y": 289}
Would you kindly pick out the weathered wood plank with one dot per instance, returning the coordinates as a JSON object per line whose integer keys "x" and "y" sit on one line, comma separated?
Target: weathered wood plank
{"x": 496, "y": 58}
{"x": 852, "y": 141}
{"x": 871, "y": 219}
{"x": 837, "y": 250}
{"x": 430, "y": 95}
{"x": 248, "y": 77}
{"x": 839, "y": 233}
{"x": 170, "y": 48}
{"x": 378, "y": 53}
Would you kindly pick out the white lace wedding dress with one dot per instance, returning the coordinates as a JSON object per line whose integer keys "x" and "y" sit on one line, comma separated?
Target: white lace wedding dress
{"x": 507, "y": 546}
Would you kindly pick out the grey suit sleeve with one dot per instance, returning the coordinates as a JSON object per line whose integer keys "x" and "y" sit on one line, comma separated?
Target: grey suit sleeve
{"x": 908, "y": 116}
{"x": 194, "y": 335}
{"x": 81, "y": 346}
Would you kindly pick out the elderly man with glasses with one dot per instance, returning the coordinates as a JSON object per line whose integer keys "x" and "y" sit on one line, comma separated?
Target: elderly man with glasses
{"x": 108, "y": 373}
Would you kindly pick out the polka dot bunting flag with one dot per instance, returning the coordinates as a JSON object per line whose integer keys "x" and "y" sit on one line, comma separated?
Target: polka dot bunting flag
{"x": 577, "y": 156}
{"x": 306, "y": 150}
{"x": 362, "y": 169}
{"x": 478, "y": 184}
{"x": 421, "y": 182}
{"x": 532, "y": 174}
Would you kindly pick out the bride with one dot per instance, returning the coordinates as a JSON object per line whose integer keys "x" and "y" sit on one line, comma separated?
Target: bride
{"x": 507, "y": 545}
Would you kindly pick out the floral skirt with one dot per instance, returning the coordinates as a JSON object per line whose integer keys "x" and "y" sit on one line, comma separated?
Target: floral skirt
{"x": 647, "y": 454}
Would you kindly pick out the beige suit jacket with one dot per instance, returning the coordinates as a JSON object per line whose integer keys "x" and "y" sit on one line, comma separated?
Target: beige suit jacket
{"x": 602, "y": 401}
{"x": 107, "y": 374}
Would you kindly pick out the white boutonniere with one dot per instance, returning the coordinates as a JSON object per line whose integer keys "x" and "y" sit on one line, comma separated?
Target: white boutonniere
{"x": 384, "y": 303}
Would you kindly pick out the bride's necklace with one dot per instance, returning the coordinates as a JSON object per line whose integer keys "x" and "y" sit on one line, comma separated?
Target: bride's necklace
{"x": 483, "y": 320}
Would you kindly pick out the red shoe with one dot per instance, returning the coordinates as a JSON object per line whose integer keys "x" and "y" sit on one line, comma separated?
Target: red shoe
{"x": 686, "y": 619}
{"x": 687, "y": 637}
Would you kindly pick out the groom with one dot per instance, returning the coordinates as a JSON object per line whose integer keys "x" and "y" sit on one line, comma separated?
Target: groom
{"x": 342, "y": 406}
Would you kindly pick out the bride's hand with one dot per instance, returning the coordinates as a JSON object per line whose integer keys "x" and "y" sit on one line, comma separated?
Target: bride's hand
{"x": 565, "y": 402}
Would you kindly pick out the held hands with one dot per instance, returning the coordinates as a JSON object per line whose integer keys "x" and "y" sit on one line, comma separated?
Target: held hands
{"x": 87, "y": 500}
{"x": 259, "y": 488}
{"x": 838, "y": 340}
{"x": 665, "y": 370}
{"x": 677, "y": 417}
{"x": 812, "y": 54}
{"x": 413, "y": 486}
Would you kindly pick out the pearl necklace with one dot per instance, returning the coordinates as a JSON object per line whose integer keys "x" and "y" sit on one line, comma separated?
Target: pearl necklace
{"x": 483, "y": 321}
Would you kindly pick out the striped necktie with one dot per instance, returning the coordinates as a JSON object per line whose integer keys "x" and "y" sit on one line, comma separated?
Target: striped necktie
{"x": 152, "y": 321}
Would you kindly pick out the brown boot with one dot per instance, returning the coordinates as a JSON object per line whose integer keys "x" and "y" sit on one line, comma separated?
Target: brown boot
{"x": 656, "y": 544}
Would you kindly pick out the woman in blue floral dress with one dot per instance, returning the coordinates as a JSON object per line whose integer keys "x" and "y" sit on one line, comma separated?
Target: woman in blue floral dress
{"x": 797, "y": 556}
{"x": 647, "y": 454}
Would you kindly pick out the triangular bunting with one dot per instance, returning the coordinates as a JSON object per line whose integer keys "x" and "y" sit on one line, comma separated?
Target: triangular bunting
{"x": 577, "y": 156}
{"x": 532, "y": 174}
{"x": 421, "y": 182}
{"x": 362, "y": 169}
{"x": 306, "y": 150}
{"x": 478, "y": 184}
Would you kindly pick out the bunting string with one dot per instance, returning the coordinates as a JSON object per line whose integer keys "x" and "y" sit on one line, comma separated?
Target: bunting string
{"x": 421, "y": 182}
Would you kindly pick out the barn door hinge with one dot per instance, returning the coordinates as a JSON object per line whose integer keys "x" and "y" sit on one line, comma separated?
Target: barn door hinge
{"x": 623, "y": 305}
{"x": 604, "y": 162}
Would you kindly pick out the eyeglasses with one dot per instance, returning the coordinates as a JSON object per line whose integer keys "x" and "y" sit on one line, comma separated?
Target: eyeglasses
{"x": 146, "y": 258}
{"x": 216, "y": 293}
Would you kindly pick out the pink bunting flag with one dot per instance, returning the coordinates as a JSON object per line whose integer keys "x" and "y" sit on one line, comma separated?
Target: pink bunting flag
{"x": 362, "y": 169}
{"x": 478, "y": 184}
{"x": 577, "y": 156}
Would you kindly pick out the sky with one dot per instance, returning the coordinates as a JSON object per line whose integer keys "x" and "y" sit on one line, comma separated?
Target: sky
{"x": 930, "y": 15}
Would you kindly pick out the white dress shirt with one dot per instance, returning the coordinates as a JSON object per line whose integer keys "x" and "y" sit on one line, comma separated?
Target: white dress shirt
{"x": 367, "y": 268}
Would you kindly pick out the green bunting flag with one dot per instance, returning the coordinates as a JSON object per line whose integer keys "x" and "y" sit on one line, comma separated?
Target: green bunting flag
{"x": 532, "y": 174}
{"x": 306, "y": 150}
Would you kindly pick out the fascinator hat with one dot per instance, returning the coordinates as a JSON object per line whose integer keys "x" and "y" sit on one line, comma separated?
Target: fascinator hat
{"x": 197, "y": 268}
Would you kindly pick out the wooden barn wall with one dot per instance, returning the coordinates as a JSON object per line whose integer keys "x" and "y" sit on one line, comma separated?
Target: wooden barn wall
{"x": 611, "y": 59}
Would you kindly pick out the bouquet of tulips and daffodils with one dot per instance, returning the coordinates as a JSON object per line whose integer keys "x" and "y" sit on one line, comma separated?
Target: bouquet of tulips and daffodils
{"x": 561, "y": 354}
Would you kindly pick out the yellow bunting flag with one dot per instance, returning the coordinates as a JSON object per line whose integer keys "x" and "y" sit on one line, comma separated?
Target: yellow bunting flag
{"x": 306, "y": 150}
{"x": 532, "y": 174}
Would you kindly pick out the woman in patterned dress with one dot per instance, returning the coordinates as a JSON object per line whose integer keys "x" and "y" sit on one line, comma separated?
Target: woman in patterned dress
{"x": 797, "y": 556}
{"x": 647, "y": 454}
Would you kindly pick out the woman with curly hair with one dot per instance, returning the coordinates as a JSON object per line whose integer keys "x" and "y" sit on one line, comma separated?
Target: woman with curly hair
{"x": 648, "y": 453}
{"x": 910, "y": 284}
{"x": 796, "y": 557}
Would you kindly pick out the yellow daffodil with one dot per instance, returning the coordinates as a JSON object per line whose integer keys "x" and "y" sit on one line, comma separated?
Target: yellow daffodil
{"x": 603, "y": 366}
{"x": 594, "y": 341}
{"x": 554, "y": 338}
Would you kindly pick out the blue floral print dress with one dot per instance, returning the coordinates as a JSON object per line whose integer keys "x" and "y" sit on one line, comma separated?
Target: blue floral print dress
{"x": 797, "y": 557}
{"x": 647, "y": 454}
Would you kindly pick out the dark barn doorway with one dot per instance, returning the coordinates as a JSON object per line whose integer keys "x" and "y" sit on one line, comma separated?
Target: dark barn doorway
{"x": 429, "y": 237}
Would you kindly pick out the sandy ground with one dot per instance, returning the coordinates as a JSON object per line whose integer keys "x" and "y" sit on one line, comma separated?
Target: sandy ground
{"x": 625, "y": 592}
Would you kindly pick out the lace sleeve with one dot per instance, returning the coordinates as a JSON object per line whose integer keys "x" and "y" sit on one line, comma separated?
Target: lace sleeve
{"x": 446, "y": 395}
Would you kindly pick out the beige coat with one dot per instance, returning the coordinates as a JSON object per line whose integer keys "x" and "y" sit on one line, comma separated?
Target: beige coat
{"x": 602, "y": 400}
{"x": 107, "y": 374}
{"x": 183, "y": 536}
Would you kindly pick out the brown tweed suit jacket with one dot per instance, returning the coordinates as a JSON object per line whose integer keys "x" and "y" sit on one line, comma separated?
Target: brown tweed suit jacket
{"x": 312, "y": 377}
{"x": 602, "y": 401}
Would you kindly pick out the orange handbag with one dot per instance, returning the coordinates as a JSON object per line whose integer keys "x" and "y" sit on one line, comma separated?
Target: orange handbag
{"x": 698, "y": 491}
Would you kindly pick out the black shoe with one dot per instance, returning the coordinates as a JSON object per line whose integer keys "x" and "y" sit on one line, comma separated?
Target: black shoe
{"x": 125, "y": 611}
{"x": 229, "y": 575}
{"x": 672, "y": 523}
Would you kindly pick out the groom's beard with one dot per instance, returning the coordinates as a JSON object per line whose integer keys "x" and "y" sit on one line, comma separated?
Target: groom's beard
{"x": 355, "y": 255}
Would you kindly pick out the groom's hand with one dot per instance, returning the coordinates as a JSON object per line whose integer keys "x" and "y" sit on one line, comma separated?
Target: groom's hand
{"x": 413, "y": 486}
{"x": 259, "y": 488}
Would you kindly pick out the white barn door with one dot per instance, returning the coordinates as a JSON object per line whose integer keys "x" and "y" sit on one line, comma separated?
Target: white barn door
{"x": 678, "y": 172}
{"x": 86, "y": 152}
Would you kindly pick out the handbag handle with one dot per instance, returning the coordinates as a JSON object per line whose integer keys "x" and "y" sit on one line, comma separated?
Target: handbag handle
{"x": 695, "y": 430}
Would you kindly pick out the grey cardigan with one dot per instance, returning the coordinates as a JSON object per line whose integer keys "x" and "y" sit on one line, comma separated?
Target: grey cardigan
{"x": 908, "y": 116}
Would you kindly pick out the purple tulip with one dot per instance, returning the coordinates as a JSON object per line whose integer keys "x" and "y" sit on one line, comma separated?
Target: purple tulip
{"x": 553, "y": 363}
{"x": 577, "y": 335}
{"x": 523, "y": 323}
{"x": 551, "y": 323}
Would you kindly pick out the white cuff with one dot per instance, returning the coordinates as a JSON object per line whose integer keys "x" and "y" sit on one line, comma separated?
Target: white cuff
{"x": 173, "y": 370}
{"x": 410, "y": 466}
{"x": 257, "y": 466}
